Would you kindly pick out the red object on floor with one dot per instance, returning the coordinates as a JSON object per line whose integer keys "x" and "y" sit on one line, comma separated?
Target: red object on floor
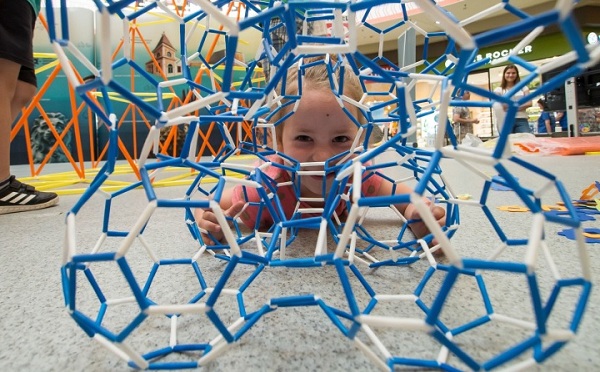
{"x": 560, "y": 146}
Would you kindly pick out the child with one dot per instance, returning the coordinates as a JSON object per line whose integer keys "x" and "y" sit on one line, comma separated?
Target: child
{"x": 318, "y": 130}
{"x": 546, "y": 120}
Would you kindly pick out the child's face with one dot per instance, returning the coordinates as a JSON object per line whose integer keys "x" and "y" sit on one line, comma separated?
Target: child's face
{"x": 317, "y": 131}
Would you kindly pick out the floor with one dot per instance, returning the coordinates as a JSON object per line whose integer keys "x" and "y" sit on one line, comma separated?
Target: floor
{"x": 39, "y": 335}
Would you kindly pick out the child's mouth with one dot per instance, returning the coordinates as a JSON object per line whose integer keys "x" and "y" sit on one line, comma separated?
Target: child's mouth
{"x": 330, "y": 176}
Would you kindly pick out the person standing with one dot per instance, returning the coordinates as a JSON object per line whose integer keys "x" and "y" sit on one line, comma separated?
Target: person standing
{"x": 561, "y": 119}
{"x": 545, "y": 123}
{"x": 510, "y": 77}
{"x": 18, "y": 85}
{"x": 461, "y": 119}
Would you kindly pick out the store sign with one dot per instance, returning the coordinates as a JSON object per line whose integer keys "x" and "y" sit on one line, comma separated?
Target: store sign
{"x": 330, "y": 31}
{"x": 502, "y": 53}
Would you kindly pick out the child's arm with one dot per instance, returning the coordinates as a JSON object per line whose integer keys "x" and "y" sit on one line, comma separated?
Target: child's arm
{"x": 409, "y": 211}
{"x": 420, "y": 229}
{"x": 207, "y": 220}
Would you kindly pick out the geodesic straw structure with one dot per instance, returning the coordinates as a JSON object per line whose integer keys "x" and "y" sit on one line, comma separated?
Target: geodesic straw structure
{"x": 160, "y": 274}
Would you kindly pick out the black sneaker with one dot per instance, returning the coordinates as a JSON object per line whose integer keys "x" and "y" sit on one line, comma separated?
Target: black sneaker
{"x": 19, "y": 197}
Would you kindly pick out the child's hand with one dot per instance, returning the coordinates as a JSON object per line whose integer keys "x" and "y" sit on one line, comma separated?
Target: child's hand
{"x": 207, "y": 221}
{"x": 420, "y": 229}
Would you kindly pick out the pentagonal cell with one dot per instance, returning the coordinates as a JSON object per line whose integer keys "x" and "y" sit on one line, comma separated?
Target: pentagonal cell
{"x": 94, "y": 224}
{"x": 103, "y": 295}
{"x": 394, "y": 331}
{"x": 470, "y": 328}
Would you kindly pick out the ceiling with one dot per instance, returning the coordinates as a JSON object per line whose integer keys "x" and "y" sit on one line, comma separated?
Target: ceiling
{"x": 368, "y": 40}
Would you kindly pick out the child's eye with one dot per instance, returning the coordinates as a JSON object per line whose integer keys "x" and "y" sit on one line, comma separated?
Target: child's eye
{"x": 341, "y": 139}
{"x": 303, "y": 138}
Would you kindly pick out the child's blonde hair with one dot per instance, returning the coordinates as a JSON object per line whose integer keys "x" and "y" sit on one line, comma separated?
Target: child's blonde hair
{"x": 318, "y": 73}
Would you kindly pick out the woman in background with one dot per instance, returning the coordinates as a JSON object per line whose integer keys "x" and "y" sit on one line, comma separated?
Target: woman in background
{"x": 510, "y": 77}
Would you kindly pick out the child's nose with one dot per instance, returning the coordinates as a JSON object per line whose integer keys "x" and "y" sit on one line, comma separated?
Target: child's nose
{"x": 323, "y": 153}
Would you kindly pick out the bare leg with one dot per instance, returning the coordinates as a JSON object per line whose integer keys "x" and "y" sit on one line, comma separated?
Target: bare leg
{"x": 23, "y": 95}
{"x": 14, "y": 95}
{"x": 9, "y": 72}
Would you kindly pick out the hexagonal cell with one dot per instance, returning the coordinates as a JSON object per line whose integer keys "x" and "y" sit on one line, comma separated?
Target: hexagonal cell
{"x": 339, "y": 290}
{"x": 103, "y": 295}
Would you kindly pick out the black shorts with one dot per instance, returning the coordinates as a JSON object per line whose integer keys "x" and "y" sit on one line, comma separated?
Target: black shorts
{"x": 17, "y": 21}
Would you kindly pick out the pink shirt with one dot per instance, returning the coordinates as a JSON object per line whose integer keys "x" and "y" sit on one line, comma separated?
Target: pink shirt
{"x": 287, "y": 196}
